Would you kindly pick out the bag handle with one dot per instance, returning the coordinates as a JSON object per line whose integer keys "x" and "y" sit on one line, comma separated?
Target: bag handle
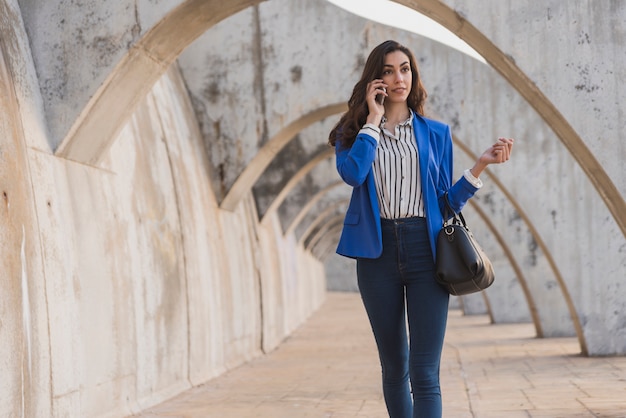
{"x": 458, "y": 217}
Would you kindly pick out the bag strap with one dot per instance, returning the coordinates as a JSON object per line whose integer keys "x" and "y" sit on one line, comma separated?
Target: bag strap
{"x": 457, "y": 216}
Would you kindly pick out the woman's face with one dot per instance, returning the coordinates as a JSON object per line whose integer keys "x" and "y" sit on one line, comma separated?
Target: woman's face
{"x": 397, "y": 75}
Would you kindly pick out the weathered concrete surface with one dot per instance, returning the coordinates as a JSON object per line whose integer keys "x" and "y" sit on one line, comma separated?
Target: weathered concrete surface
{"x": 24, "y": 343}
{"x": 78, "y": 47}
{"x": 445, "y": 86}
{"x": 509, "y": 238}
{"x": 506, "y": 300}
{"x": 568, "y": 212}
{"x": 134, "y": 284}
{"x": 476, "y": 102}
{"x": 149, "y": 287}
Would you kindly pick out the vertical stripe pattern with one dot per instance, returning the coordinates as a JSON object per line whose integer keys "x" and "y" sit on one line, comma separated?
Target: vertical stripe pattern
{"x": 396, "y": 172}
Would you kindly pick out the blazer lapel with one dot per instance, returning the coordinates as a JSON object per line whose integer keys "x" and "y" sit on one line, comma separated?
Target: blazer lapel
{"x": 422, "y": 137}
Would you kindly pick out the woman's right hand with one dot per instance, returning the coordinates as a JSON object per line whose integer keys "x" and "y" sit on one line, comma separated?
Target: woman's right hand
{"x": 376, "y": 109}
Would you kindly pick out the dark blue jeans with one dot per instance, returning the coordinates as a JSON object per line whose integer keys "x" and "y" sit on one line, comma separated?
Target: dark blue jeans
{"x": 402, "y": 280}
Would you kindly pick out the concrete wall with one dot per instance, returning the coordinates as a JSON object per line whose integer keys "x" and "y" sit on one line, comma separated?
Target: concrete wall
{"x": 166, "y": 217}
{"x": 561, "y": 58}
{"x": 125, "y": 283}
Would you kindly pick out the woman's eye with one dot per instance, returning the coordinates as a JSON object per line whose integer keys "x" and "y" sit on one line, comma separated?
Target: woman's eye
{"x": 406, "y": 69}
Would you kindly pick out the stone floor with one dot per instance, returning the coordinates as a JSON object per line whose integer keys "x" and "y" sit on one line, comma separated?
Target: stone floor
{"x": 329, "y": 368}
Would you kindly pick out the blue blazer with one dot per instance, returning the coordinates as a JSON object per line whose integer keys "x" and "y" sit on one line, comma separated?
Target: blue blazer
{"x": 361, "y": 234}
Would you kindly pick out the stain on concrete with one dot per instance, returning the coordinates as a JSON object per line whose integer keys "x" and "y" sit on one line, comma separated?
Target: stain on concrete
{"x": 532, "y": 251}
{"x": 106, "y": 46}
{"x": 135, "y": 30}
{"x": 359, "y": 63}
{"x": 212, "y": 91}
{"x": 221, "y": 173}
{"x": 258, "y": 86}
{"x": 514, "y": 217}
{"x": 296, "y": 73}
{"x": 455, "y": 122}
{"x": 583, "y": 38}
{"x": 442, "y": 99}
{"x": 215, "y": 146}
{"x": 510, "y": 58}
{"x": 488, "y": 201}
{"x": 585, "y": 72}
{"x": 282, "y": 168}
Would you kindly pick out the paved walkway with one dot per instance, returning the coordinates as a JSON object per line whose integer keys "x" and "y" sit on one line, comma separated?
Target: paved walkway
{"x": 329, "y": 368}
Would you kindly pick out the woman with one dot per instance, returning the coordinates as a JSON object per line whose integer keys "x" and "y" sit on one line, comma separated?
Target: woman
{"x": 400, "y": 166}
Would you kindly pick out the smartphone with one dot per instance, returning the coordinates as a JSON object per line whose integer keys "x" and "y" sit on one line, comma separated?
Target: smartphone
{"x": 380, "y": 98}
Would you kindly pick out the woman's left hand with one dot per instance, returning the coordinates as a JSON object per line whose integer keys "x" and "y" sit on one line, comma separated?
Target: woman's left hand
{"x": 498, "y": 153}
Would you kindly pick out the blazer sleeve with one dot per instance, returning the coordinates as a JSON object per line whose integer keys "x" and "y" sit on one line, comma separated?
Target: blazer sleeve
{"x": 353, "y": 164}
{"x": 461, "y": 191}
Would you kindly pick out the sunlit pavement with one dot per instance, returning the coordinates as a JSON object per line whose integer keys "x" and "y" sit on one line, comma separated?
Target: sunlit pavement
{"x": 329, "y": 368}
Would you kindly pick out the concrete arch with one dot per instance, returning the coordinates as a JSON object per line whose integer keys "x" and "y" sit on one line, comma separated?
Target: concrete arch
{"x": 314, "y": 234}
{"x": 103, "y": 117}
{"x": 315, "y": 237}
{"x": 522, "y": 280}
{"x": 293, "y": 181}
{"x": 521, "y": 277}
{"x": 326, "y": 247}
{"x": 321, "y": 221}
{"x": 262, "y": 159}
{"x": 521, "y": 88}
{"x": 321, "y": 234}
{"x": 546, "y": 251}
{"x": 501, "y": 63}
{"x": 544, "y": 248}
{"x": 528, "y": 296}
{"x": 24, "y": 334}
{"x": 504, "y": 65}
{"x": 157, "y": 54}
{"x": 96, "y": 127}
{"x": 321, "y": 218}
{"x": 292, "y": 226}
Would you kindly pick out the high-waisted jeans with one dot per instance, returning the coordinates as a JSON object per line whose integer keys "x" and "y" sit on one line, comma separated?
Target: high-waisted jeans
{"x": 402, "y": 280}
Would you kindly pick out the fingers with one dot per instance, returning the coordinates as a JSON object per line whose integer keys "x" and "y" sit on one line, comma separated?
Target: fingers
{"x": 502, "y": 149}
{"x": 497, "y": 153}
{"x": 508, "y": 147}
{"x": 376, "y": 87}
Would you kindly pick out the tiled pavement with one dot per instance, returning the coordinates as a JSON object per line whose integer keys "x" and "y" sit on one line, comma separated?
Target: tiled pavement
{"x": 329, "y": 368}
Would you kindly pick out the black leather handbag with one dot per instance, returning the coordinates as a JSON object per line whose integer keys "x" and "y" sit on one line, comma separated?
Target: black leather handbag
{"x": 461, "y": 265}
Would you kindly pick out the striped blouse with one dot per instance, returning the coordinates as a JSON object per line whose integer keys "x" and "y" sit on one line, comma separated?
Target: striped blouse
{"x": 396, "y": 171}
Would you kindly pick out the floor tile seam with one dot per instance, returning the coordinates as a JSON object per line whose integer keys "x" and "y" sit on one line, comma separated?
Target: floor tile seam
{"x": 586, "y": 408}
{"x": 533, "y": 399}
{"x": 468, "y": 358}
{"x": 462, "y": 374}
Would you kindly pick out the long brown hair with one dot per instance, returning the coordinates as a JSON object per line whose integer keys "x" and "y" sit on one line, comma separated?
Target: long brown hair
{"x": 353, "y": 120}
